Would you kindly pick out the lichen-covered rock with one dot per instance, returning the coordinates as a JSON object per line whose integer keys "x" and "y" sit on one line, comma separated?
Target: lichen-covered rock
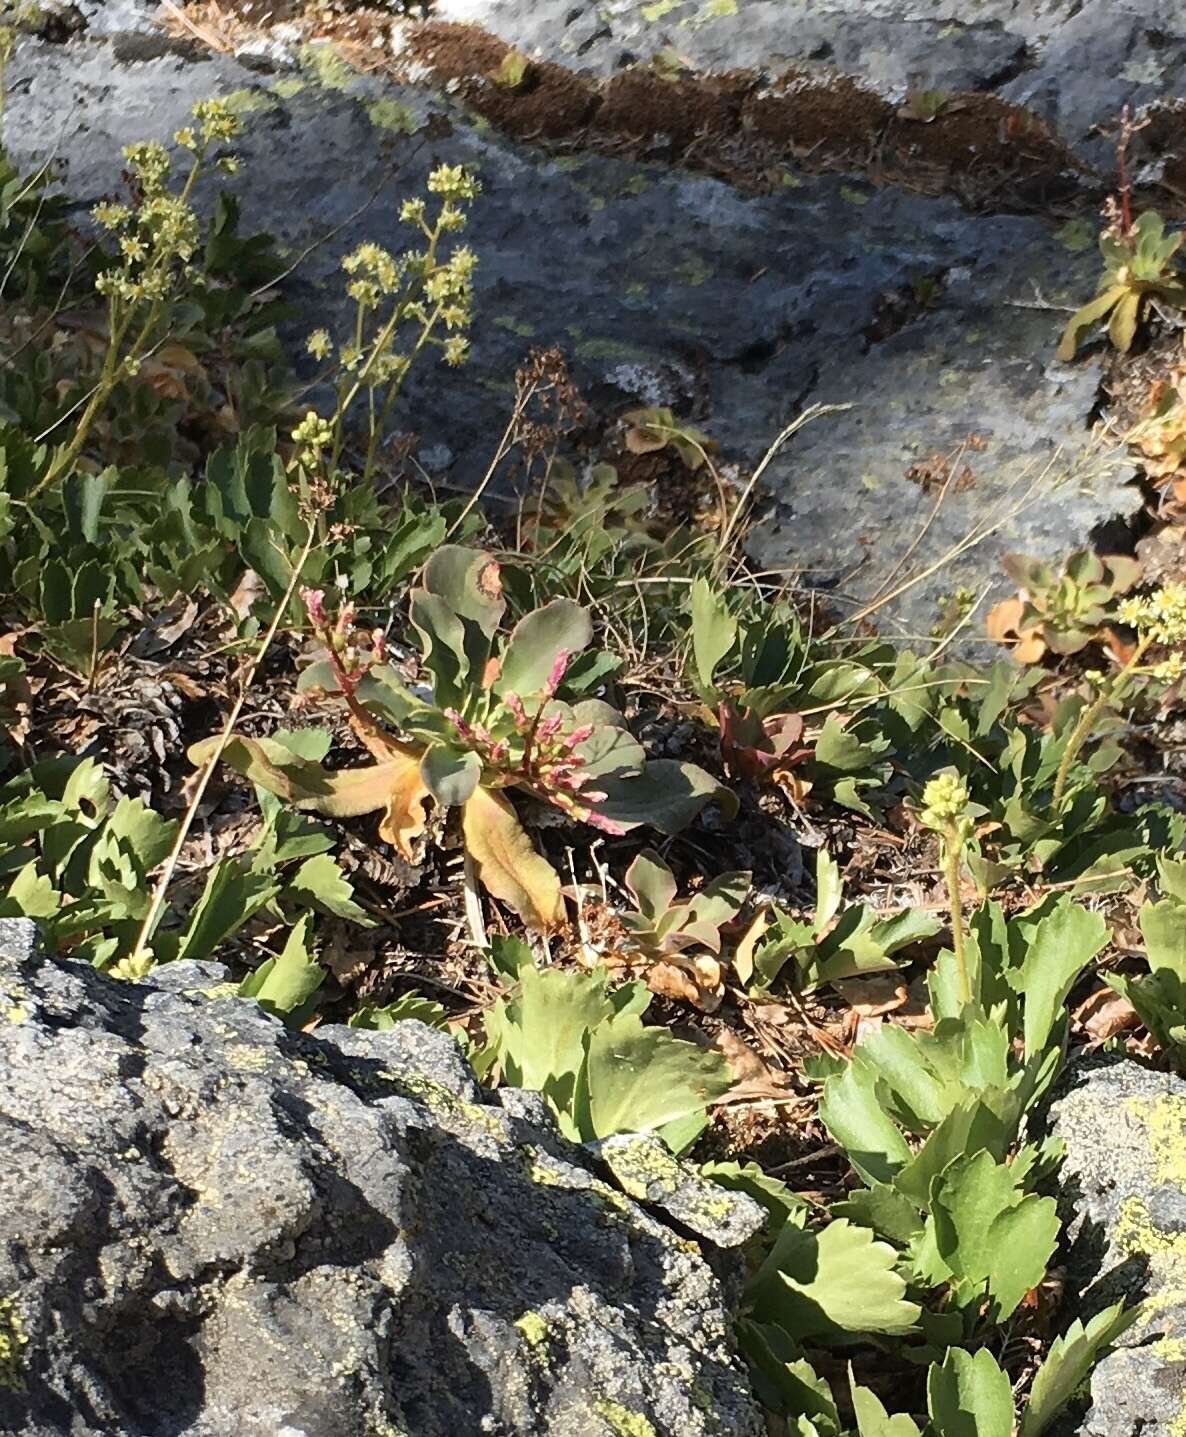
{"x": 1123, "y": 1191}
{"x": 210, "y": 1225}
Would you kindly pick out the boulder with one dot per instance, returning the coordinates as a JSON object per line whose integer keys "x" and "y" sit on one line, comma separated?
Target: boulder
{"x": 1123, "y": 1194}
{"x": 210, "y": 1224}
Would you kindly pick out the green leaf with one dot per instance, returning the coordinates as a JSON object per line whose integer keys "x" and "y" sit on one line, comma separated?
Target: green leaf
{"x": 872, "y": 1418}
{"x": 887, "y": 1210}
{"x": 407, "y": 1006}
{"x": 714, "y": 632}
{"x": 989, "y": 1231}
{"x": 450, "y": 774}
{"x": 852, "y": 1114}
{"x": 1085, "y": 317}
{"x": 637, "y": 1079}
{"x": 31, "y": 895}
{"x": 651, "y": 884}
{"x": 1070, "y": 1358}
{"x": 539, "y": 1032}
{"x": 232, "y": 896}
{"x": 319, "y": 882}
{"x": 442, "y": 638}
{"x": 773, "y": 1194}
{"x": 536, "y": 644}
{"x": 468, "y": 582}
{"x": 82, "y": 500}
{"x": 969, "y": 1396}
{"x": 1122, "y": 327}
{"x": 1163, "y": 927}
{"x": 1060, "y": 947}
{"x": 284, "y": 984}
{"x": 828, "y": 889}
{"x": 840, "y": 1280}
{"x": 784, "y": 1381}
{"x": 666, "y": 794}
{"x": 1171, "y": 874}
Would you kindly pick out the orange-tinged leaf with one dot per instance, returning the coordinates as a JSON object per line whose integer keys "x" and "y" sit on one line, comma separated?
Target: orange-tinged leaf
{"x": 406, "y": 796}
{"x": 507, "y": 864}
{"x": 1122, "y": 327}
{"x": 352, "y": 791}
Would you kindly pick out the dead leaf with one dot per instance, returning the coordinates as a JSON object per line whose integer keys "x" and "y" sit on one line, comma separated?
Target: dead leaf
{"x": 507, "y": 862}
{"x": 688, "y": 980}
{"x": 1106, "y": 1013}
{"x": 743, "y": 954}
{"x": 1002, "y": 623}
{"x": 404, "y": 818}
{"x": 246, "y": 591}
{"x": 873, "y": 995}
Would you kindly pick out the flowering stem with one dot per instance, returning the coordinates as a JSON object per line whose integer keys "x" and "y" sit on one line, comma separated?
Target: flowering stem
{"x": 1086, "y": 720}
{"x": 148, "y": 926}
{"x": 953, "y": 848}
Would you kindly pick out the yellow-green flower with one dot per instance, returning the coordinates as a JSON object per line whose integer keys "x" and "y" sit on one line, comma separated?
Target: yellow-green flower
{"x": 313, "y": 433}
{"x": 945, "y": 802}
{"x": 319, "y": 343}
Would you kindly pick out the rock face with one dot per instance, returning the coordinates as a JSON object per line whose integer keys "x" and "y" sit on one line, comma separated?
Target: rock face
{"x": 662, "y": 286}
{"x": 209, "y": 1225}
{"x": 1074, "y": 64}
{"x": 1124, "y": 1195}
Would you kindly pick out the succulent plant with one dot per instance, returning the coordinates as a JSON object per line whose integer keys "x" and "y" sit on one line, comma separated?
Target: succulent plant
{"x": 1136, "y": 270}
{"x": 682, "y": 936}
{"x": 1064, "y": 611}
{"x": 491, "y": 721}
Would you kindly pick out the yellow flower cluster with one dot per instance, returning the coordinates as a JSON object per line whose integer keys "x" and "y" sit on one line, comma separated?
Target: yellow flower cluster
{"x": 1161, "y": 615}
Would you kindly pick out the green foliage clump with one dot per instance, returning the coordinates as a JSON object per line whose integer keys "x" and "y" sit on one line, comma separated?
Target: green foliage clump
{"x": 1137, "y": 270}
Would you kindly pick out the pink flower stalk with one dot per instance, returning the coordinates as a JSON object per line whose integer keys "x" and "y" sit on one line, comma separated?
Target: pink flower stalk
{"x": 461, "y": 724}
{"x": 559, "y": 665}
{"x": 549, "y": 726}
{"x": 518, "y": 712}
{"x": 578, "y": 735}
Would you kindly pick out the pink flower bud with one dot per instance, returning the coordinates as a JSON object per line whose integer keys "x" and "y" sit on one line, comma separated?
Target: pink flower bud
{"x": 498, "y": 751}
{"x": 578, "y": 735}
{"x": 549, "y": 726}
{"x": 314, "y": 601}
{"x": 378, "y": 645}
{"x": 515, "y": 704}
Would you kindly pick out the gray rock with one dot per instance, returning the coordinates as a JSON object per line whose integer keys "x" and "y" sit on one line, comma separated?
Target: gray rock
{"x": 739, "y": 310}
{"x": 643, "y": 1167}
{"x": 1124, "y": 1199}
{"x": 18, "y": 939}
{"x": 209, "y": 1224}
